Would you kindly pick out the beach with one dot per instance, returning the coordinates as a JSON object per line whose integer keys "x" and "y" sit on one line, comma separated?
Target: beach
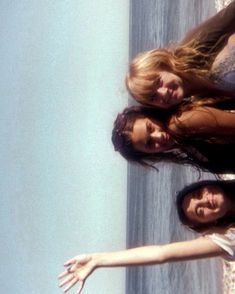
{"x": 152, "y": 217}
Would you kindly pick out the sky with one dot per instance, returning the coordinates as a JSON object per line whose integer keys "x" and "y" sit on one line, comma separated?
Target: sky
{"x": 63, "y": 188}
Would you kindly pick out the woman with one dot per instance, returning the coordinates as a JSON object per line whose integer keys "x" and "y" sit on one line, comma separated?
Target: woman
{"x": 208, "y": 205}
{"x": 203, "y": 63}
{"x": 201, "y": 136}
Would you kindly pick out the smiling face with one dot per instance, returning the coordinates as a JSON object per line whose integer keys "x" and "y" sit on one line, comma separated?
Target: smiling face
{"x": 169, "y": 90}
{"x": 148, "y": 136}
{"x": 206, "y": 205}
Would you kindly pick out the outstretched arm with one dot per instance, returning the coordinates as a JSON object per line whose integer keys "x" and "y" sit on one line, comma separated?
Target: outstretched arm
{"x": 81, "y": 266}
{"x": 214, "y": 28}
{"x": 205, "y": 121}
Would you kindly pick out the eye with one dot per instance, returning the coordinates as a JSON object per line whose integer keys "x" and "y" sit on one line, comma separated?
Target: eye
{"x": 150, "y": 128}
{"x": 153, "y": 98}
{"x": 197, "y": 194}
{"x": 158, "y": 82}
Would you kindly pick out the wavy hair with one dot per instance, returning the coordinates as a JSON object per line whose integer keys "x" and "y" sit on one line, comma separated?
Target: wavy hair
{"x": 190, "y": 59}
{"x": 190, "y": 148}
{"x": 123, "y": 127}
{"x": 228, "y": 187}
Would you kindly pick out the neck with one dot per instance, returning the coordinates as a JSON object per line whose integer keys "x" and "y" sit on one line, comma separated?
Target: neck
{"x": 195, "y": 85}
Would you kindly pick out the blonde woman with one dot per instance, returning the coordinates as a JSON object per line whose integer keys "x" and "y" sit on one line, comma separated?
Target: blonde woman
{"x": 202, "y": 65}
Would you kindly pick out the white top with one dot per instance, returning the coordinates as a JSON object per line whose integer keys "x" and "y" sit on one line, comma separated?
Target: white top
{"x": 220, "y": 4}
{"x": 226, "y": 241}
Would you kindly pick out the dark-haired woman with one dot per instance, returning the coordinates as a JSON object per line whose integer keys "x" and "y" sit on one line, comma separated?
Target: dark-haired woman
{"x": 201, "y": 136}
{"x": 202, "y": 64}
{"x": 208, "y": 206}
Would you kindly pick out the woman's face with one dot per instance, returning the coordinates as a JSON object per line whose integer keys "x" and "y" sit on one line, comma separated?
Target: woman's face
{"x": 148, "y": 136}
{"x": 168, "y": 89}
{"x": 206, "y": 205}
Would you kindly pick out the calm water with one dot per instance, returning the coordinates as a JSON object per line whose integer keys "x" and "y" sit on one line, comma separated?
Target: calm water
{"x": 152, "y": 216}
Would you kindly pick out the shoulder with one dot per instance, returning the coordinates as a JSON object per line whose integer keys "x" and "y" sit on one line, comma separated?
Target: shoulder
{"x": 215, "y": 27}
{"x": 225, "y": 239}
{"x": 192, "y": 119}
{"x": 231, "y": 41}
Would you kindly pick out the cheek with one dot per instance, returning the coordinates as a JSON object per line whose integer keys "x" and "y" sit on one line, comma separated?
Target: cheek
{"x": 180, "y": 94}
{"x": 209, "y": 212}
{"x": 180, "y": 86}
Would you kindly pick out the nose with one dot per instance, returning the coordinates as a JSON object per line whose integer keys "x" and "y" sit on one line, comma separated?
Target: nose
{"x": 162, "y": 92}
{"x": 203, "y": 202}
{"x": 156, "y": 136}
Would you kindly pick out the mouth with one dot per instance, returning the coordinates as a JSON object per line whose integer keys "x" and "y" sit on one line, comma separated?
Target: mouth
{"x": 172, "y": 97}
{"x": 212, "y": 202}
{"x": 168, "y": 97}
{"x": 175, "y": 96}
{"x": 165, "y": 139}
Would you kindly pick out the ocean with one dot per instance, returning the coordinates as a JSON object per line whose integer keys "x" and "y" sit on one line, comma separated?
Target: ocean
{"x": 151, "y": 217}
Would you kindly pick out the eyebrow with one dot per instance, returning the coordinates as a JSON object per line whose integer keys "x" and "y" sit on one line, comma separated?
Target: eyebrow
{"x": 146, "y": 143}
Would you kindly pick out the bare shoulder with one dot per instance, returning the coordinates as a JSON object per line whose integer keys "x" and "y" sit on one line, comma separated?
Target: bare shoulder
{"x": 231, "y": 40}
{"x": 204, "y": 120}
{"x": 192, "y": 119}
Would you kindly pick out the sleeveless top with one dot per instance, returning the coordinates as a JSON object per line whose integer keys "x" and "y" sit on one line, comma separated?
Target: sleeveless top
{"x": 226, "y": 241}
{"x": 223, "y": 72}
{"x": 213, "y": 35}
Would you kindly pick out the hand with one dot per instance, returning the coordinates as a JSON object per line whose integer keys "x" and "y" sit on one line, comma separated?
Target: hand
{"x": 77, "y": 270}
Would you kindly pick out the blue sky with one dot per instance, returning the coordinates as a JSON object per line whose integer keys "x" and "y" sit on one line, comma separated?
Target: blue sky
{"x": 63, "y": 65}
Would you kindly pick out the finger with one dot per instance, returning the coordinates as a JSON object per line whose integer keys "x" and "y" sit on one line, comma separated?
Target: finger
{"x": 80, "y": 288}
{"x": 83, "y": 258}
{"x": 65, "y": 281}
{"x": 63, "y": 274}
{"x": 71, "y": 268}
{"x": 71, "y": 284}
{"x": 70, "y": 261}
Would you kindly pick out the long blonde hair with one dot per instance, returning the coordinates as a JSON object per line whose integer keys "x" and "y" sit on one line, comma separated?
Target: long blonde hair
{"x": 183, "y": 61}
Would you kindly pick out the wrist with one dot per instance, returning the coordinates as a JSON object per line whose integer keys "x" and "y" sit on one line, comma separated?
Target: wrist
{"x": 97, "y": 260}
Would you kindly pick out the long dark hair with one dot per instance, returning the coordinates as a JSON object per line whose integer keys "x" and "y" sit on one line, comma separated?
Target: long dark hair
{"x": 123, "y": 125}
{"x": 184, "y": 154}
{"x": 228, "y": 187}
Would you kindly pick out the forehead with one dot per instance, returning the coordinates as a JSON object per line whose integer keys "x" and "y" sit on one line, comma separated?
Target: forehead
{"x": 139, "y": 126}
{"x": 139, "y": 132}
{"x": 166, "y": 74}
{"x": 188, "y": 209}
{"x": 186, "y": 202}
